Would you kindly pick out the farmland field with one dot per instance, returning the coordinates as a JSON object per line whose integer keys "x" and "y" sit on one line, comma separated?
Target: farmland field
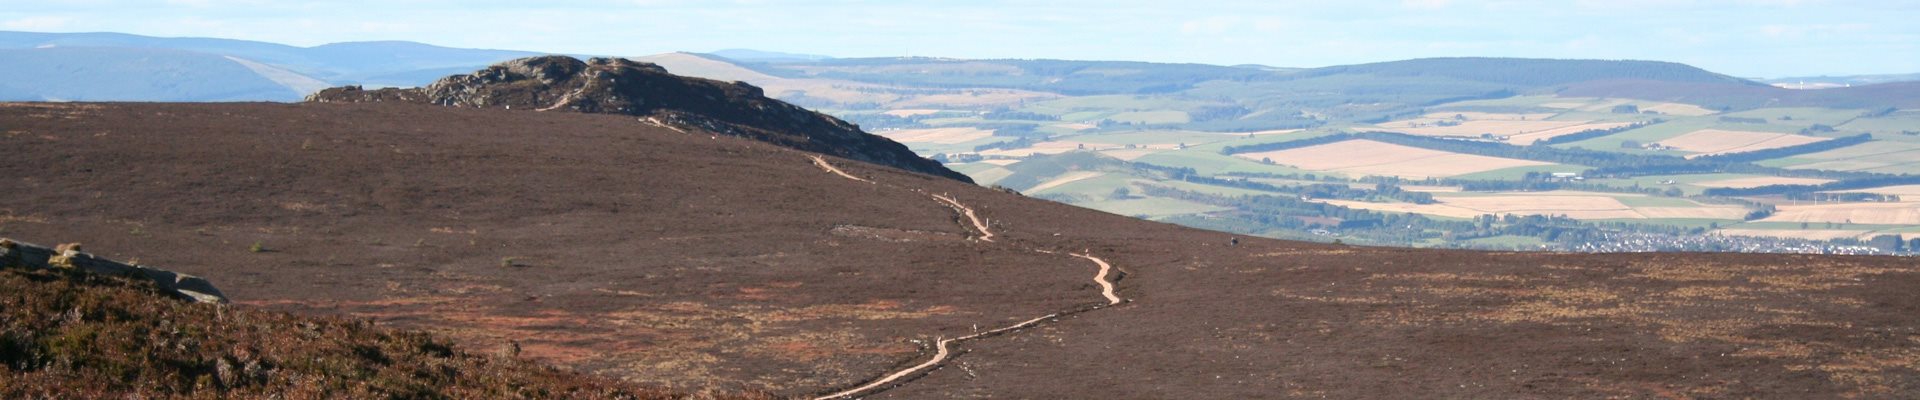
{"x": 1759, "y": 181}
{"x": 1577, "y": 205}
{"x": 1166, "y": 143}
{"x": 938, "y": 135}
{"x": 1850, "y": 213}
{"x": 1716, "y": 141}
{"x": 1367, "y": 157}
{"x": 1885, "y": 157}
{"x": 1904, "y": 191}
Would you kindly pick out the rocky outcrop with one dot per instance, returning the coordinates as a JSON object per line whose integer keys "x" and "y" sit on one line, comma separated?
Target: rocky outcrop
{"x": 25, "y": 255}
{"x": 621, "y": 86}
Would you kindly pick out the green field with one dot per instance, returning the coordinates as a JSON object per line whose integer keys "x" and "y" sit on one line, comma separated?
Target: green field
{"x": 1888, "y": 126}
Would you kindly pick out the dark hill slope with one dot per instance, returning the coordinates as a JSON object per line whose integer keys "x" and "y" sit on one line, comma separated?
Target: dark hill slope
{"x": 67, "y": 334}
{"x": 621, "y": 86}
{"x": 682, "y": 259}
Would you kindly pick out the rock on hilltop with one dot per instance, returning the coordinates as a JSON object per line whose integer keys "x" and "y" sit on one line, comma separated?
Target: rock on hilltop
{"x": 621, "y": 86}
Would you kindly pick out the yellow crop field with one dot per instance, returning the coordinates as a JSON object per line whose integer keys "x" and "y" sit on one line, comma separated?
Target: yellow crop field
{"x": 1904, "y": 191}
{"x": 1759, "y": 181}
{"x": 1850, "y": 213}
{"x": 1718, "y": 141}
{"x": 1367, "y": 157}
{"x": 938, "y": 135}
{"x": 1527, "y": 138}
{"x": 1069, "y": 177}
{"x": 1678, "y": 109}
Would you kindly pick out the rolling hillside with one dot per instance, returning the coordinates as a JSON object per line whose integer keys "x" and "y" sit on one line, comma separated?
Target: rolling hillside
{"x": 125, "y": 74}
{"x": 669, "y": 255}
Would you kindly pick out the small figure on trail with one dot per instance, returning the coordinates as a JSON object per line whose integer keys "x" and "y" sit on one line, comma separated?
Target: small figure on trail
{"x": 1233, "y": 242}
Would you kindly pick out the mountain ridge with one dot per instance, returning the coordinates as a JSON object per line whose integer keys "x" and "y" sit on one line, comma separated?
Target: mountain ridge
{"x": 621, "y": 86}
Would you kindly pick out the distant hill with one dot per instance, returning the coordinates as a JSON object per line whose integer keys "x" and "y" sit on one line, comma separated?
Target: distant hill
{"x": 123, "y": 67}
{"x": 132, "y": 74}
{"x": 1530, "y": 72}
{"x": 1057, "y": 76}
{"x": 760, "y": 55}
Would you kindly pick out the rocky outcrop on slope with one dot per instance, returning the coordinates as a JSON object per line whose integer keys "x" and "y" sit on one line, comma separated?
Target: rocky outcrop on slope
{"x": 27, "y": 255}
{"x": 621, "y": 86}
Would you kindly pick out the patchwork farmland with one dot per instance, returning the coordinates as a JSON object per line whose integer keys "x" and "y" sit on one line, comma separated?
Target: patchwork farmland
{"x": 1742, "y": 170}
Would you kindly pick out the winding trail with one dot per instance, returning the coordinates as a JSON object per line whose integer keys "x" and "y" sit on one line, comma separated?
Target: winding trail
{"x": 943, "y": 348}
{"x": 1106, "y": 285}
{"x": 823, "y": 164}
{"x": 944, "y": 352}
{"x": 986, "y": 235}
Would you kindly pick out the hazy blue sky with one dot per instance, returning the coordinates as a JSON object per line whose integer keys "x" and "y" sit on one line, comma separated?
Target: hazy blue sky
{"x": 1754, "y": 38}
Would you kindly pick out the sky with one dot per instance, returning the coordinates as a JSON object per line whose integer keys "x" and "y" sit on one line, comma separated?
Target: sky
{"x": 1747, "y": 38}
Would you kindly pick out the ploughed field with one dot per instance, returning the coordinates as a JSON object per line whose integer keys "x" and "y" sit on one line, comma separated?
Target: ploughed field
{"x": 609, "y": 245}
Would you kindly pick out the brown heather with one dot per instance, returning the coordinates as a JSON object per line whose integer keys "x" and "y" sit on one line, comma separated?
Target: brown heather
{"x": 67, "y": 334}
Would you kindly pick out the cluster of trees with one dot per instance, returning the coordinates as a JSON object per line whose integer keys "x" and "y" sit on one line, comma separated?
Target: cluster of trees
{"x": 1817, "y": 128}
{"x": 1842, "y": 197}
{"x": 1813, "y": 190}
{"x": 945, "y": 158}
{"x": 1019, "y": 143}
{"x": 1017, "y": 130}
{"x": 1217, "y": 112}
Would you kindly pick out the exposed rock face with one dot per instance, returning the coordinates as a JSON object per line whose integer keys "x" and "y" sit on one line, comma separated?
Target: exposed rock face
{"x": 621, "y": 86}
{"x": 27, "y": 255}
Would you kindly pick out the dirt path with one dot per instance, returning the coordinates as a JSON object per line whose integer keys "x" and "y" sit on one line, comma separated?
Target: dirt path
{"x": 823, "y": 164}
{"x": 985, "y": 234}
{"x": 943, "y": 352}
{"x": 943, "y": 347}
{"x": 656, "y": 122}
{"x": 1106, "y": 284}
